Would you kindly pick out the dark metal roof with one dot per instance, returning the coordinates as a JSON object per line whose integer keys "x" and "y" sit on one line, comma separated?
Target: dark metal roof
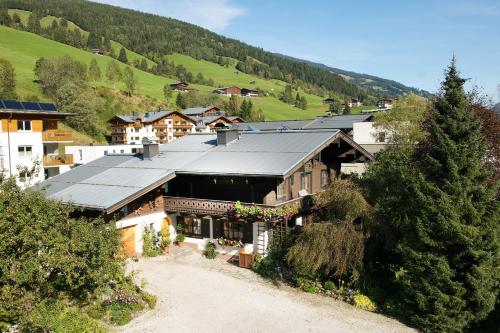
{"x": 110, "y": 182}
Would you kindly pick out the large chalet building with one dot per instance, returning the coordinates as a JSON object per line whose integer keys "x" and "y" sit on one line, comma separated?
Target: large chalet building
{"x": 29, "y": 136}
{"x": 211, "y": 118}
{"x": 157, "y": 126}
{"x": 198, "y": 181}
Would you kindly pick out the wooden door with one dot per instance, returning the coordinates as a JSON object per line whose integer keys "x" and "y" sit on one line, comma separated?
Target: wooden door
{"x": 128, "y": 241}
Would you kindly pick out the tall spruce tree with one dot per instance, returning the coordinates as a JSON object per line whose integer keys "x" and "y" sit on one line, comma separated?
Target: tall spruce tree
{"x": 440, "y": 249}
{"x": 93, "y": 41}
{"x": 123, "y": 56}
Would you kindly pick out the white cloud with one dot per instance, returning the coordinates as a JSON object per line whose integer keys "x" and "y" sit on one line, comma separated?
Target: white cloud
{"x": 214, "y": 15}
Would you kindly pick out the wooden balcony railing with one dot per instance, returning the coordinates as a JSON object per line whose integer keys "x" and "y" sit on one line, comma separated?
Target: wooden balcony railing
{"x": 211, "y": 207}
{"x": 56, "y": 160}
{"x": 56, "y": 136}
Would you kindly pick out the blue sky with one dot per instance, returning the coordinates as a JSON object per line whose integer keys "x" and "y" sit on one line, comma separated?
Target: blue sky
{"x": 407, "y": 41}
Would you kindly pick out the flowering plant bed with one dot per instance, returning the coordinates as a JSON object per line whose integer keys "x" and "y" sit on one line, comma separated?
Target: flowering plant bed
{"x": 265, "y": 214}
{"x": 229, "y": 242}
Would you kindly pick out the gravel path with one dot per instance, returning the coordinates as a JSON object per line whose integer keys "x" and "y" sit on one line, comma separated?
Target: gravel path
{"x": 200, "y": 295}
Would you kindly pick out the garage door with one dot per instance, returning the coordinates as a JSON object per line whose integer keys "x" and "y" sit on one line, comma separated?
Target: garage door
{"x": 128, "y": 241}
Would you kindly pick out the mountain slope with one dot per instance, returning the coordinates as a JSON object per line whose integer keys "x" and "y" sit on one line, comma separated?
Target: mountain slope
{"x": 389, "y": 88}
{"x": 154, "y": 37}
{"x": 23, "y": 49}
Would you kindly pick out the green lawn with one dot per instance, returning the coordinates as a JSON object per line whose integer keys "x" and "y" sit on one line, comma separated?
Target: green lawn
{"x": 22, "y": 49}
{"x": 272, "y": 107}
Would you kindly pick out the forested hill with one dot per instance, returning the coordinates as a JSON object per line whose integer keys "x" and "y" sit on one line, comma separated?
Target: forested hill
{"x": 387, "y": 87}
{"x": 154, "y": 37}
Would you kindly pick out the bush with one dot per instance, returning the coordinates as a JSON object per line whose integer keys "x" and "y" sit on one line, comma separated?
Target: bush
{"x": 210, "y": 250}
{"x": 363, "y": 302}
{"x": 150, "y": 243}
{"x": 96, "y": 311}
{"x": 309, "y": 288}
{"x": 56, "y": 316}
{"x": 149, "y": 299}
{"x": 180, "y": 238}
{"x": 329, "y": 285}
{"x": 121, "y": 314}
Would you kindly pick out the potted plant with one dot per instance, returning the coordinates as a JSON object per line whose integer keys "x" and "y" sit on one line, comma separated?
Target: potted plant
{"x": 165, "y": 245}
{"x": 180, "y": 239}
{"x": 165, "y": 239}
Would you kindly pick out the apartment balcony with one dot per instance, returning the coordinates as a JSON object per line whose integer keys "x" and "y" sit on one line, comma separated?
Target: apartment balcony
{"x": 57, "y": 136}
{"x": 213, "y": 207}
{"x": 184, "y": 126}
{"x": 57, "y": 160}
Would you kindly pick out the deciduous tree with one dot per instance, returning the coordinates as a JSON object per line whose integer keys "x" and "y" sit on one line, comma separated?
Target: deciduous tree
{"x": 7, "y": 80}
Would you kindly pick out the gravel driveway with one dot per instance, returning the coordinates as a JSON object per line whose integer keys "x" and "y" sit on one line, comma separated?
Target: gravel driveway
{"x": 200, "y": 295}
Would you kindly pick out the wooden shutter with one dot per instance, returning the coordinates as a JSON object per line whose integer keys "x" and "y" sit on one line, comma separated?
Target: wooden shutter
{"x": 248, "y": 232}
{"x": 205, "y": 228}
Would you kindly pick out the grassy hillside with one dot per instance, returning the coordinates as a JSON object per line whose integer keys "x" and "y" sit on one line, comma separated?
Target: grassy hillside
{"x": 23, "y": 49}
{"x": 272, "y": 107}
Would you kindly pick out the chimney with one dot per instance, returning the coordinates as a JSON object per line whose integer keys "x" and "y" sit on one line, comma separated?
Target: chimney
{"x": 226, "y": 136}
{"x": 150, "y": 149}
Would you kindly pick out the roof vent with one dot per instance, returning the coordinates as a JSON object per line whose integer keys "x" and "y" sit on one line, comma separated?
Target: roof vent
{"x": 225, "y": 136}
{"x": 150, "y": 149}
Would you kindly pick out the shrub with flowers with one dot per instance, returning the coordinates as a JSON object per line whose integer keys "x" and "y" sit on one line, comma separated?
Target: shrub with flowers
{"x": 363, "y": 302}
{"x": 266, "y": 214}
{"x": 229, "y": 242}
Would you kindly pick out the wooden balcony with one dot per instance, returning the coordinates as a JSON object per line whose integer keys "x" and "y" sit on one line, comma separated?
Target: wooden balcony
{"x": 57, "y": 160}
{"x": 212, "y": 207}
{"x": 57, "y": 136}
{"x": 183, "y": 126}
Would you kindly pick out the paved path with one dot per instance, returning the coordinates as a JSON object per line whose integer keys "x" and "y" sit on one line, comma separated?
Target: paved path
{"x": 200, "y": 295}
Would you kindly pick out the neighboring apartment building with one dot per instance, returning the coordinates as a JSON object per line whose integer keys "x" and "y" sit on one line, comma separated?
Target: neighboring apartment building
{"x": 161, "y": 126}
{"x": 86, "y": 154}
{"x": 29, "y": 135}
{"x": 210, "y": 118}
{"x": 195, "y": 182}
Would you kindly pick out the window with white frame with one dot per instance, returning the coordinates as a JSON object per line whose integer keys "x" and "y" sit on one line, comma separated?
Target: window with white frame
{"x": 24, "y": 125}
{"x": 25, "y": 150}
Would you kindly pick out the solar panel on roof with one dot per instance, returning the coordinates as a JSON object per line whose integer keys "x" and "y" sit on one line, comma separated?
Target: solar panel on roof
{"x": 1, "y": 105}
{"x": 14, "y": 105}
{"x": 31, "y": 106}
{"x": 48, "y": 107}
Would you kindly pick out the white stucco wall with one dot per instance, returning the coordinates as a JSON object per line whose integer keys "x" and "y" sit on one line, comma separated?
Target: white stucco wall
{"x": 141, "y": 222}
{"x": 33, "y": 139}
{"x": 86, "y": 154}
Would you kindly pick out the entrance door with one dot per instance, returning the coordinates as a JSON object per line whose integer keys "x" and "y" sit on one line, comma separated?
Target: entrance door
{"x": 128, "y": 241}
{"x": 192, "y": 226}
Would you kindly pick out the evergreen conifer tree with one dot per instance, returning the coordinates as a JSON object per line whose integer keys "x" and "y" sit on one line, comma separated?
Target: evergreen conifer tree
{"x": 441, "y": 220}
{"x": 123, "y": 56}
{"x": 93, "y": 41}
